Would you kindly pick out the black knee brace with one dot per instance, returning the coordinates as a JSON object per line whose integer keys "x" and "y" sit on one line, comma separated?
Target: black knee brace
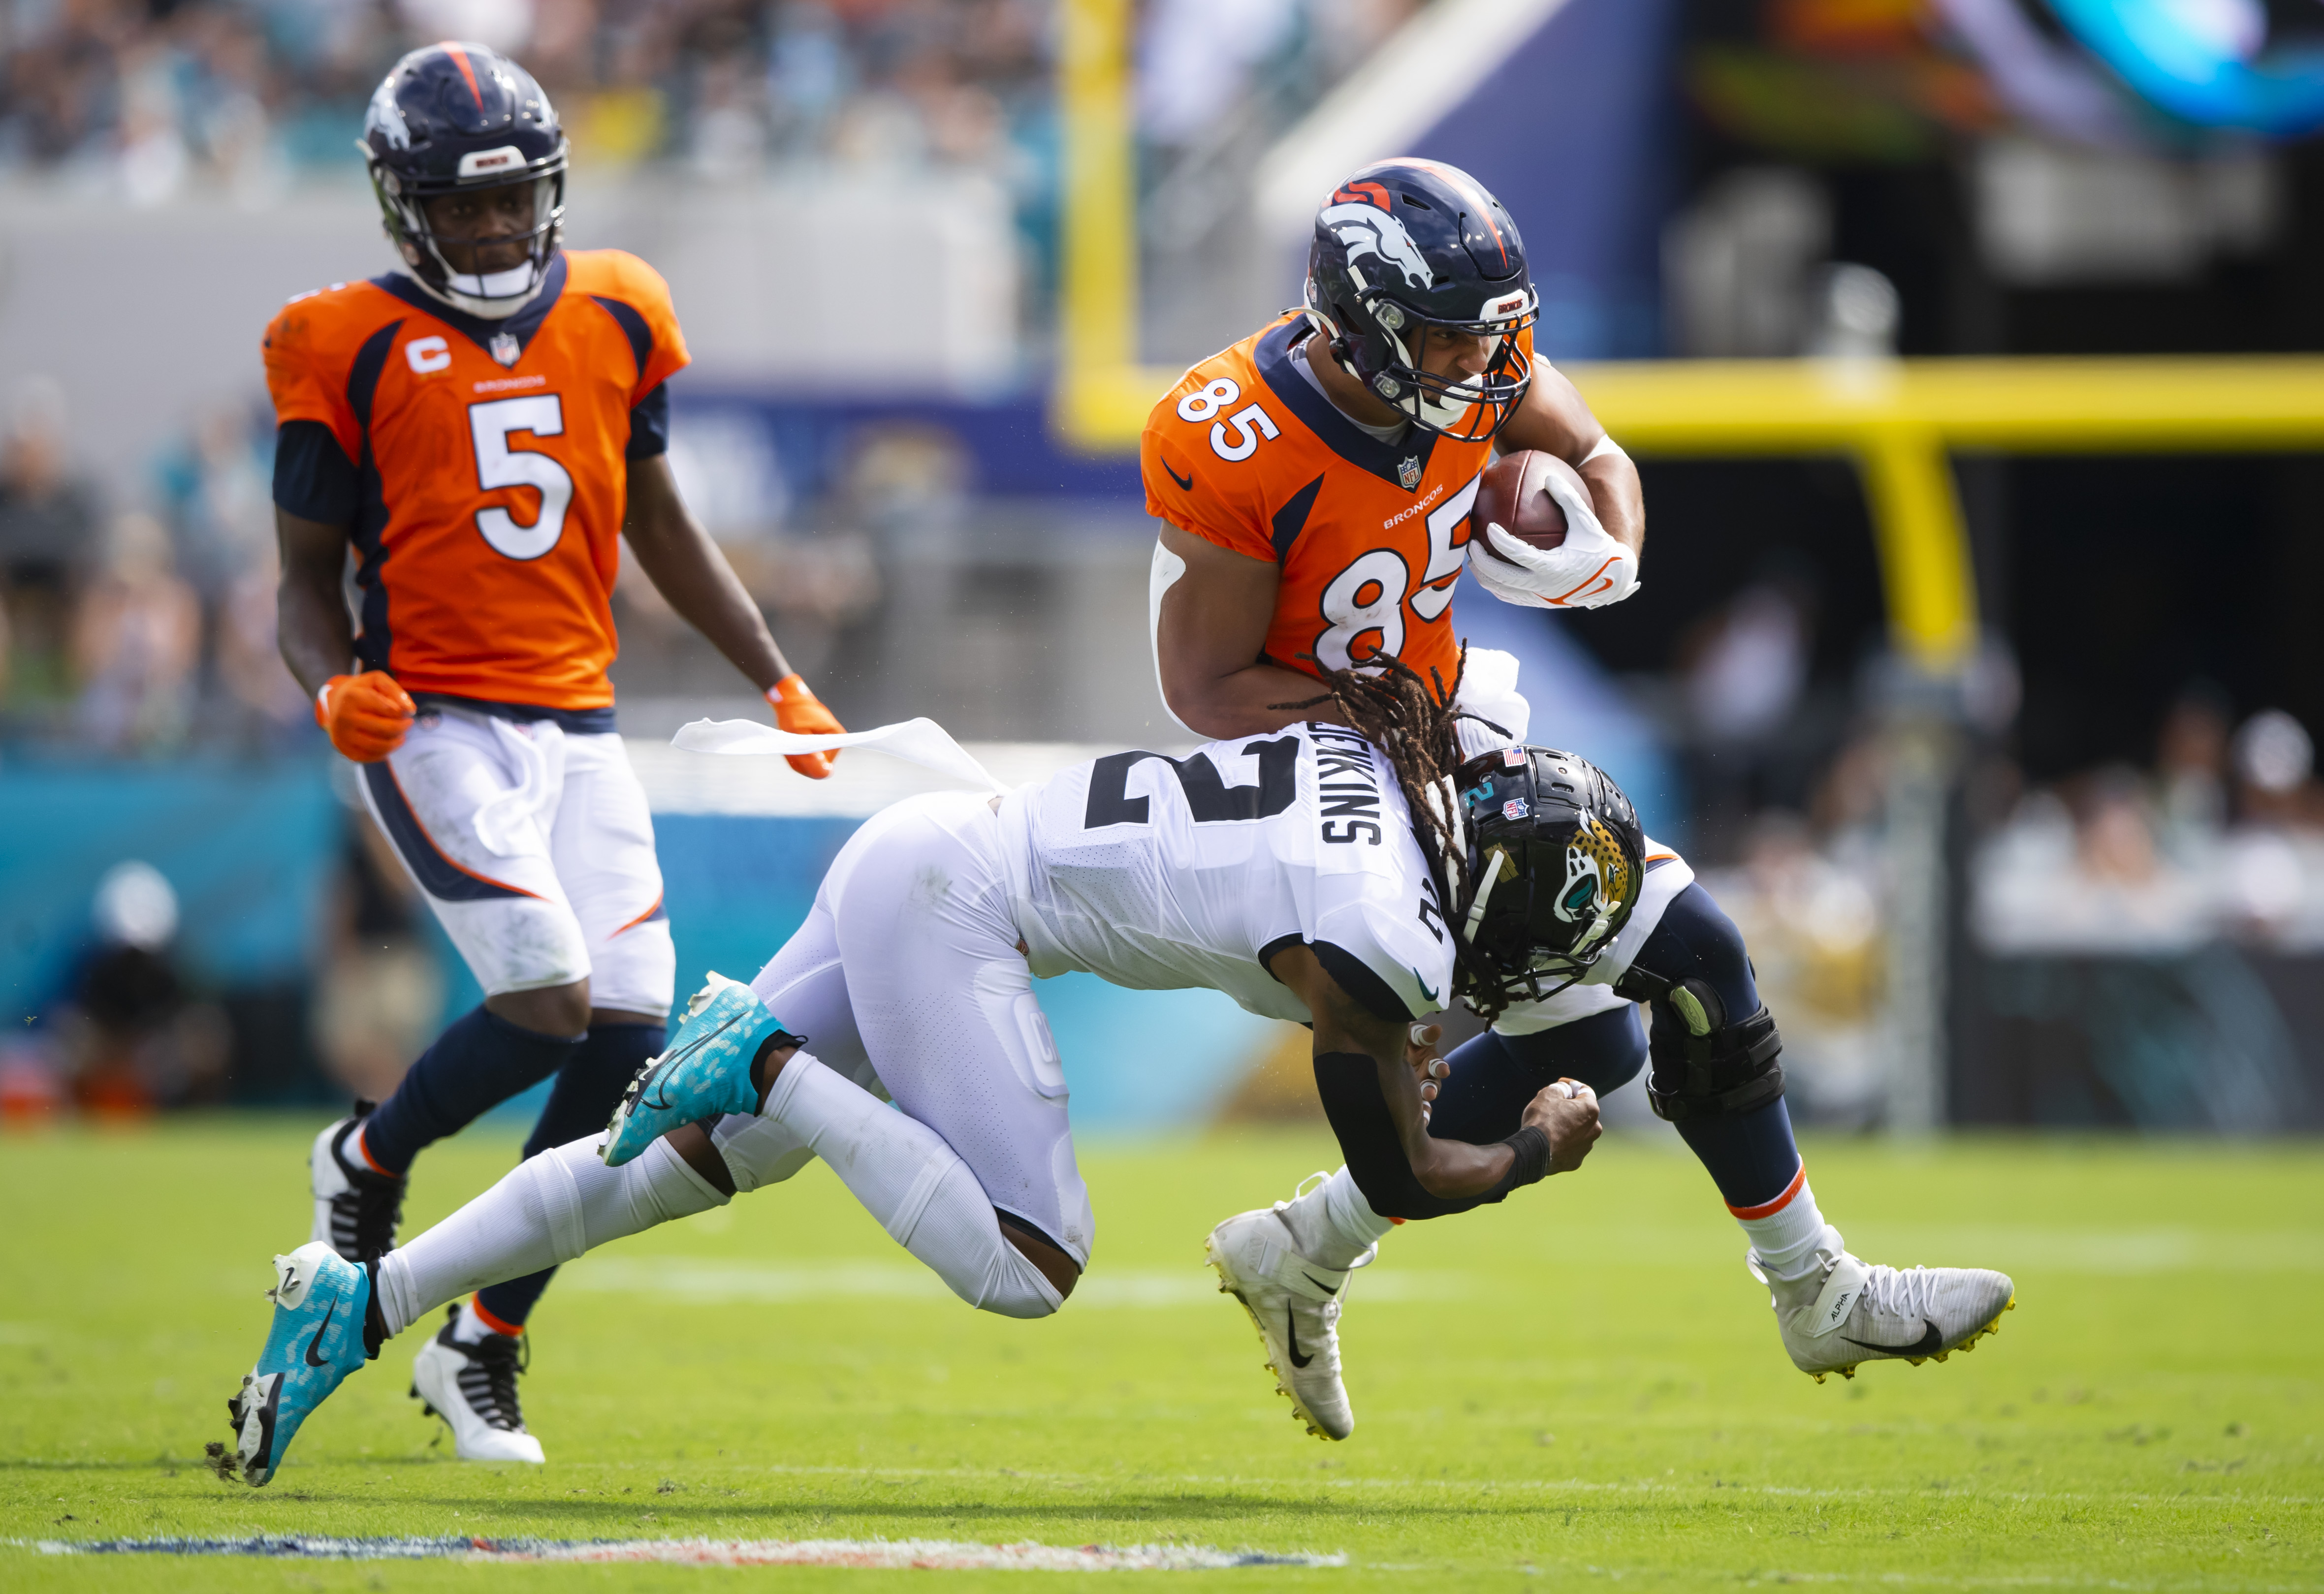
{"x": 1704, "y": 1066}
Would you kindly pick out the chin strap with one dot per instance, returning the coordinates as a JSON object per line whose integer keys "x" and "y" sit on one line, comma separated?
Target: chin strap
{"x": 500, "y": 309}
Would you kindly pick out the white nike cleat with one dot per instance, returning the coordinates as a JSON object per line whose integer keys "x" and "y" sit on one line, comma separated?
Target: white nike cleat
{"x": 1848, "y": 1311}
{"x": 1295, "y": 1304}
{"x": 472, "y": 1387}
{"x": 356, "y": 1209}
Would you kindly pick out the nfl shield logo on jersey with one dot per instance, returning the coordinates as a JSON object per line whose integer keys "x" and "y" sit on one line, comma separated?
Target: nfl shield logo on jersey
{"x": 506, "y": 349}
{"x": 1408, "y": 472}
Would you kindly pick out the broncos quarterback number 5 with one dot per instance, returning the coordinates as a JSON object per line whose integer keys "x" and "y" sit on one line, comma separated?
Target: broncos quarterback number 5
{"x": 498, "y": 465}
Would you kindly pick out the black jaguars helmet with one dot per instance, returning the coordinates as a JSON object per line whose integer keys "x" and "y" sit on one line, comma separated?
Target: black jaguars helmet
{"x": 1405, "y": 245}
{"x": 1556, "y": 854}
{"x": 450, "y": 117}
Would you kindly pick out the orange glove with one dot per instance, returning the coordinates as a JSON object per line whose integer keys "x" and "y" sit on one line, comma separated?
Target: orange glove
{"x": 367, "y": 714}
{"x": 802, "y": 714}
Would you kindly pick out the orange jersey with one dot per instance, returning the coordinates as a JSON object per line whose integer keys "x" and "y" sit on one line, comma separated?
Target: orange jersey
{"x": 1370, "y": 536}
{"x": 492, "y": 468}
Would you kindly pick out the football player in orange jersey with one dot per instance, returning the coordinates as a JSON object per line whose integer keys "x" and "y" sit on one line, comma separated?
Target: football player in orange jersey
{"x": 477, "y": 429}
{"x": 1314, "y": 484}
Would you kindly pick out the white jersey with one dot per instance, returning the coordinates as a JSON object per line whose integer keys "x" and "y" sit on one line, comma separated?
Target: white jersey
{"x": 1160, "y": 874}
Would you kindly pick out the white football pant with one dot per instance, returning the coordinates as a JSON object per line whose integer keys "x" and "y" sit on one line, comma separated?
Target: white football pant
{"x": 535, "y": 847}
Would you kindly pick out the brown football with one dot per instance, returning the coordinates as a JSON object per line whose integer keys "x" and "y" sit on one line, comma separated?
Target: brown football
{"x": 1515, "y": 496}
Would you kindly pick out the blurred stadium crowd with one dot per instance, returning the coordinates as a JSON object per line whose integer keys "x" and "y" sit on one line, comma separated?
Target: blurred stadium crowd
{"x": 146, "y": 97}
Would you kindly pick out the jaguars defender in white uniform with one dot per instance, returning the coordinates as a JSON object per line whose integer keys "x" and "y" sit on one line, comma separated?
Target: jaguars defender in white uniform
{"x": 1285, "y": 870}
{"x": 1282, "y": 870}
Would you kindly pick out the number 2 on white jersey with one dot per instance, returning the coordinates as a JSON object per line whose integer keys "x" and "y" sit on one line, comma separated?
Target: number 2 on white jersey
{"x": 489, "y": 424}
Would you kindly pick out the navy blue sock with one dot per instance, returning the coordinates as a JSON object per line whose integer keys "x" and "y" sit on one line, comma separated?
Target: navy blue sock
{"x": 479, "y": 1062}
{"x": 586, "y": 1091}
{"x": 1494, "y": 1075}
{"x": 1752, "y": 1158}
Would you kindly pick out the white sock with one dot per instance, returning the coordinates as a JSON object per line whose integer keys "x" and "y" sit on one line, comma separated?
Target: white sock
{"x": 470, "y": 1327}
{"x": 1332, "y": 1223}
{"x": 549, "y": 1211}
{"x": 906, "y": 1176}
{"x": 1788, "y": 1233}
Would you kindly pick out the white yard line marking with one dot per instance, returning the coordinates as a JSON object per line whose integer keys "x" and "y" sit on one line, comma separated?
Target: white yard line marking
{"x": 935, "y": 1554}
{"x": 1561, "y": 1485}
{"x": 713, "y": 1280}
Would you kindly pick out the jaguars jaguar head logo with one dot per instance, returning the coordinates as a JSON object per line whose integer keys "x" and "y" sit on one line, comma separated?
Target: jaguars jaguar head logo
{"x": 1598, "y": 882}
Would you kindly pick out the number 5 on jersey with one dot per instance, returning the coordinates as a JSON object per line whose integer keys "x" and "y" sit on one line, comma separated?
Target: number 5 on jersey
{"x": 490, "y": 425}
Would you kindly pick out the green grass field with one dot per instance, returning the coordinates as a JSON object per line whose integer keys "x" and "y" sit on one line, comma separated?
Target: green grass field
{"x": 1583, "y": 1383}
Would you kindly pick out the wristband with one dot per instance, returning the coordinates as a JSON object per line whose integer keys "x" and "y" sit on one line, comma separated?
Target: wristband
{"x": 1529, "y": 1147}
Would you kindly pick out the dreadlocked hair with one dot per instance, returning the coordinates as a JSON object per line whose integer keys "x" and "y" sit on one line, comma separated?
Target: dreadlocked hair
{"x": 1414, "y": 722}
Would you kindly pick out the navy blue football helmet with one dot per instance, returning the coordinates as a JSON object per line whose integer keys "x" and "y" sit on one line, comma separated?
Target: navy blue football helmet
{"x": 1406, "y": 243}
{"x": 450, "y": 117}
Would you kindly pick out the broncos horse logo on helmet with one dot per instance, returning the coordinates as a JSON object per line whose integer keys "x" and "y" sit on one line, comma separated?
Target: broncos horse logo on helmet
{"x": 1404, "y": 246}
{"x": 455, "y": 117}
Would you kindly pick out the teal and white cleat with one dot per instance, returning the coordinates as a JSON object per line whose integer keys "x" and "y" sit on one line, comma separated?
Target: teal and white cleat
{"x": 705, "y": 1070}
{"x": 315, "y": 1342}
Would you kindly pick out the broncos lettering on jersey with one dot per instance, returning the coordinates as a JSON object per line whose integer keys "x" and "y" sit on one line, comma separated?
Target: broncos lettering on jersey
{"x": 482, "y": 469}
{"x": 1247, "y": 453}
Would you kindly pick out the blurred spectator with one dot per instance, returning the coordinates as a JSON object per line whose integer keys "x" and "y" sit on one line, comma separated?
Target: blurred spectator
{"x": 1742, "y": 671}
{"x": 48, "y": 523}
{"x": 135, "y": 1039}
{"x": 1746, "y": 669}
{"x": 2112, "y": 864}
{"x": 2191, "y": 767}
{"x": 236, "y": 94}
{"x": 263, "y": 706}
{"x": 381, "y": 996}
{"x": 135, "y": 643}
{"x": 2274, "y": 763}
{"x": 1197, "y": 56}
{"x": 1813, "y": 924}
{"x": 219, "y": 498}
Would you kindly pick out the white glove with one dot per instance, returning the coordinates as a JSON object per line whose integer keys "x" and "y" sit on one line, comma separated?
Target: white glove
{"x": 1587, "y": 571}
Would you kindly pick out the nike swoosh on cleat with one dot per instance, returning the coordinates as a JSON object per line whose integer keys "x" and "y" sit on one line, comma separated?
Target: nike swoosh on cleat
{"x": 1291, "y": 1323}
{"x": 313, "y": 1359}
{"x": 1930, "y": 1343}
{"x": 1319, "y": 1284}
{"x": 1186, "y": 484}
